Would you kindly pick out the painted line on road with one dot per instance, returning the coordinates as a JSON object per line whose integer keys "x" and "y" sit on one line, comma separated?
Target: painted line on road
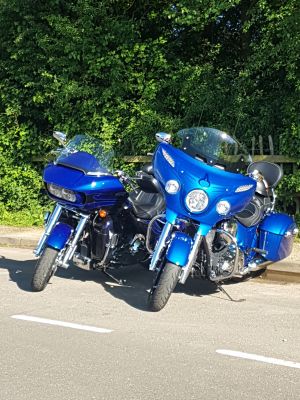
{"x": 61, "y": 323}
{"x": 255, "y": 357}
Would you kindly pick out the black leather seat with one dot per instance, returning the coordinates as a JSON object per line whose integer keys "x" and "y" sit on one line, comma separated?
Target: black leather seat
{"x": 148, "y": 168}
{"x": 256, "y": 208}
{"x": 147, "y": 205}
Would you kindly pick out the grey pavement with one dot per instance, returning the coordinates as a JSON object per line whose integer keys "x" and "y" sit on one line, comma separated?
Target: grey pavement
{"x": 167, "y": 355}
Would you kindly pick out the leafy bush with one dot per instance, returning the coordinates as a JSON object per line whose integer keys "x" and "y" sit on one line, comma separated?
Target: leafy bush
{"x": 123, "y": 70}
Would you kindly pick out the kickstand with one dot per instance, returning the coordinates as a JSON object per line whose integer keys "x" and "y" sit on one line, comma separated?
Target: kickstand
{"x": 119, "y": 281}
{"x": 220, "y": 287}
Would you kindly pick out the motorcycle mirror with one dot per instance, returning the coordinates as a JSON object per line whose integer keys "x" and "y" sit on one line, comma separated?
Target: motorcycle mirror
{"x": 163, "y": 137}
{"x": 60, "y": 136}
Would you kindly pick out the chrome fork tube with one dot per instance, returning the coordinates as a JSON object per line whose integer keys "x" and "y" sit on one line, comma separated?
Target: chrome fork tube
{"x": 192, "y": 258}
{"x": 72, "y": 246}
{"x": 50, "y": 225}
{"x": 160, "y": 245}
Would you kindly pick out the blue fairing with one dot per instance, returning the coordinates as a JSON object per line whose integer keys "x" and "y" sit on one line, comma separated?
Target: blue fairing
{"x": 193, "y": 174}
{"x": 92, "y": 191}
{"x": 59, "y": 236}
{"x": 179, "y": 249}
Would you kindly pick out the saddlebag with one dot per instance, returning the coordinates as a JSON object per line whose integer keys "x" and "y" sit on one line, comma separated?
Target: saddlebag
{"x": 276, "y": 235}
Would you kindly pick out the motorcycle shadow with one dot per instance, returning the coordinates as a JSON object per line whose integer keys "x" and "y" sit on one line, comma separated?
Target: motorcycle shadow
{"x": 134, "y": 289}
{"x": 19, "y": 272}
{"x": 138, "y": 281}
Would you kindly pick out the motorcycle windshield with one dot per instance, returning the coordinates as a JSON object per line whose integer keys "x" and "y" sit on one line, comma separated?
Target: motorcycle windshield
{"x": 87, "y": 154}
{"x": 214, "y": 147}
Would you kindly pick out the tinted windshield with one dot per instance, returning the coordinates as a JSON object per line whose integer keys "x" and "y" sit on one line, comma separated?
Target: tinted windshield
{"x": 214, "y": 147}
{"x": 75, "y": 155}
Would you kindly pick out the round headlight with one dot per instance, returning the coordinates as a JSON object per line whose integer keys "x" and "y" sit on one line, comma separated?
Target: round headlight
{"x": 223, "y": 207}
{"x": 196, "y": 200}
{"x": 172, "y": 187}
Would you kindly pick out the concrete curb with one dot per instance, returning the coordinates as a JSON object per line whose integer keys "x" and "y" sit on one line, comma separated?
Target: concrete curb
{"x": 11, "y": 236}
{"x": 281, "y": 276}
{"x": 24, "y": 243}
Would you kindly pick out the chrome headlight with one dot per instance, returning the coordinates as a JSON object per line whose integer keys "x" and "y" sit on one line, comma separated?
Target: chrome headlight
{"x": 62, "y": 193}
{"x": 172, "y": 187}
{"x": 223, "y": 207}
{"x": 196, "y": 200}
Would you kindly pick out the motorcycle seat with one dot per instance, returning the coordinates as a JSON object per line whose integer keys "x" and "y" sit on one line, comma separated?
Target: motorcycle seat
{"x": 254, "y": 211}
{"x": 146, "y": 205}
{"x": 148, "y": 168}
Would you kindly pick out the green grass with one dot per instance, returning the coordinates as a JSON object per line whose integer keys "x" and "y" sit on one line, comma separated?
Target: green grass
{"x": 27, "y": 218}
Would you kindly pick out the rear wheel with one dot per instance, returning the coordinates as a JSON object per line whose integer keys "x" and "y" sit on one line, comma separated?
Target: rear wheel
{"x": 45, "y": 268}
{"x": 164, "y": 285}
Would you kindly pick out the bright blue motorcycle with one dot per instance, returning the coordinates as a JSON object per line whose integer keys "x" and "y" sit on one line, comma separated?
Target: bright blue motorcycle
{"x": 96, "y": 223}
{"x": 219, "y": 223}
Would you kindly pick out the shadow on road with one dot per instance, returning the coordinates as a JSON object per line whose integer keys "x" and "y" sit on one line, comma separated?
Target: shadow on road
{"x": 137, "y": 281}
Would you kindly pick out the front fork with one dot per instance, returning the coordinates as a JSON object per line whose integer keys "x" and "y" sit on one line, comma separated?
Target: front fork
{"x": 65, "y": 257}
{"x": 161, "y": 244}
{"x": 73, "y": 244}
{"x": 49, "y": 227}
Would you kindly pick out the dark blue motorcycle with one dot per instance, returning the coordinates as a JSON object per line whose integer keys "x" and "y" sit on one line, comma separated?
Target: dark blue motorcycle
{"x": 220, "y": 223}
{"x": 96, "y": 223}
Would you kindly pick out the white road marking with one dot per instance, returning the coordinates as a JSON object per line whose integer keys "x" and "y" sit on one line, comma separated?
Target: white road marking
{"x": 62, "y": 323}
{"x": 255, "y": 357}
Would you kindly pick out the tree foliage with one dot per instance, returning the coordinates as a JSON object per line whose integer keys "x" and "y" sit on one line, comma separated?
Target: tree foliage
{"x": 121, "y": 70}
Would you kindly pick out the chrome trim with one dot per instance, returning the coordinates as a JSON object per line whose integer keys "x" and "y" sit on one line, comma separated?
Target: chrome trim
{"x": 251, "y": 267}
{"x": 160, "y": 245}
{"x": 61, "y": 137}
{"x": 163, "y": 137}
{"x": 72, "y": 246}
{"x": 192, "y": 258}
{"x": 149, "y": 230}
{"x": 48, "y": 229}
{"x": 98, "y": 174}
{"x": 235, "y": 270}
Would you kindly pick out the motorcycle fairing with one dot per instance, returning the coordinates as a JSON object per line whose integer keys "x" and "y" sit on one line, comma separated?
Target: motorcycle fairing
{"x": 92, "y": 191}
{"x": 193, "y": 174}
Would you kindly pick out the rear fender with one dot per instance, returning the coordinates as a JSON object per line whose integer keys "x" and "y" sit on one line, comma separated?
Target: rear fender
{"x": 59, "y": 236}
{"x": 179, "y": 249}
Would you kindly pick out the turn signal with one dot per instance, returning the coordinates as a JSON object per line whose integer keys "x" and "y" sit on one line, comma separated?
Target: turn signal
{"x": 102, "y": 213}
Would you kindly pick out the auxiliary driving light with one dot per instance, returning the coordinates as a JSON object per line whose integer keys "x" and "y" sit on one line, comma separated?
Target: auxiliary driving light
{"x": 172, "y": 186}
{"x": 223, "y": 207}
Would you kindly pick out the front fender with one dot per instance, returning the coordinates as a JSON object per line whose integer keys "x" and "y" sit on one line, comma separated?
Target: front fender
{"x": 179, "y": 249}
{"x": 59, "y": 236}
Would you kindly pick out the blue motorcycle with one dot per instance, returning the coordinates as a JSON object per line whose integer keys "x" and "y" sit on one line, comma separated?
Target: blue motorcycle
{"x": 96, "y": 223}
{"x": 219, "y": 223}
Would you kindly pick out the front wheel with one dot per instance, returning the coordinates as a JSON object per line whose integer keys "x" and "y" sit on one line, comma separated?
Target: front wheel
{"x": 163, "y": 287}
{"x": 45, "y": 268}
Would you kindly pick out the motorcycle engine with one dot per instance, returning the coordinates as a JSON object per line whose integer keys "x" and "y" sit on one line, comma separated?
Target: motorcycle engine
{"x": 224, "y": 251}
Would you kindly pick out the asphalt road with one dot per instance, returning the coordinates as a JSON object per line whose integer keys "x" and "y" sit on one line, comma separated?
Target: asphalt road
{"x": 167, "y": 355}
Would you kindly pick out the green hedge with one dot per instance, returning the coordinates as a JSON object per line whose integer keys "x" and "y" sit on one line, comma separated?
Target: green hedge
{"x": 121, "y": 70}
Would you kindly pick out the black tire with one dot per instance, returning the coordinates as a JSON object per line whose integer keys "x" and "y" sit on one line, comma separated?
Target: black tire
{"x": 44, "y": 269}
{"x": 163, "y": 287}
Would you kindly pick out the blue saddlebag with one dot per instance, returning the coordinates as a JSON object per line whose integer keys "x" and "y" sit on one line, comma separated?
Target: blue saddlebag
{"x": 277, "y": 233}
